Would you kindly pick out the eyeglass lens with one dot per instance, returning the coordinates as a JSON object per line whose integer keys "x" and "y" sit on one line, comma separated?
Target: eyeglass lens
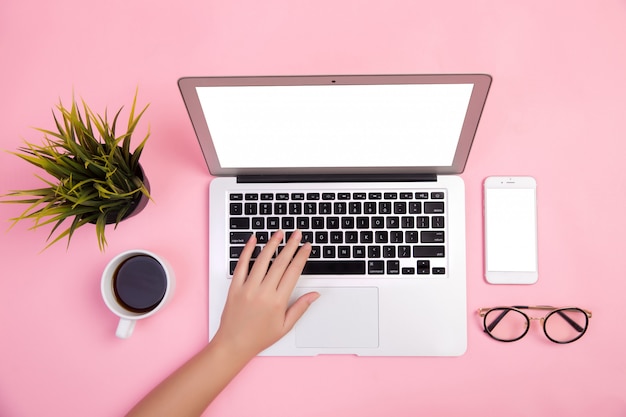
{"x": 565, "y": 325}
{"x": 506, "y": 324}
{"x": 561, "y": 326}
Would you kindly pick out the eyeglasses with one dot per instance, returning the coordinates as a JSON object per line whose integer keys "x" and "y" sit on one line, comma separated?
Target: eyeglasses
{"x": 560, "y": 325}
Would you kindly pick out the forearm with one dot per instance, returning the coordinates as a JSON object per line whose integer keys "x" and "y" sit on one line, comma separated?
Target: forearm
{"x": 189, "y": 390}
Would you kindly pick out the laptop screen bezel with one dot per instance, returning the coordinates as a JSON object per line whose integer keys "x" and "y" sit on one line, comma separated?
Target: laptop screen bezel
{"x": 481, "y": 83}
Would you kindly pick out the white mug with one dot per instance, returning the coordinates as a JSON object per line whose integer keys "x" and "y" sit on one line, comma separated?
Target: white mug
{"x": 129, "y": 318}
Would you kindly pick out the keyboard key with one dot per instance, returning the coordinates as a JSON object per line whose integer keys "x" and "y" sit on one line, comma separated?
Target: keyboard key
{"x": 317, "y": 223}
{"x": 433, "y": 207}
{"x": 378, "y": 222}
{"x": 369, "y": 207}
{"x": 366, "y": 237}
{"x": 310, "y": 208}
{"x": 302, "y": 223}
{"x": 362, "y": 222}
{"x": 355, "y": 207}
{"x": 429, "y": 251}
{"x": 273, "y": 223}
{"x": 422, "y": 222}
{"x": 404, "y": 251}
{"x": 316, "y": 252}
{"x": 393, "y": 267}
{"x": 328, "y": 252}
{"x": 262, "y": 237}
{"x": 358, "y": 251}
{"x": 411, "y": 236}
{"x": 347, "y": 222}
{"x": 258, "y": 223}
{"x": 389, "y": 251}
{"x": 396, "y": 237}
{"x": 381, "y": 236}
{"x": 239, "y": 223}
{"x": 295, "y": 208}
{"x": 236, "y": 209}
{"x": 351, "y": 236}
{"x": 265, "y": 209}
{"x": 399, "y": 207}
{"x": 280, "y": 208}
{"x": 415, "y": 207}
{"x": 393, "y": 222}
{"x": 343, "y": 252}
{"x": 326, "y": 208}
{"x": 336, "y": 237}
{"x": 432, "y": 237}
{"x": 373, "y": 252}
{"x": 376, "y": 267}
{"x": 340, "y": 208}
{"x": 236, "y": 197}
{"x": 321, "y": 237}
{"x": 334, "y": 268}
{"x": 239, "y": 237}
{"x": 332, "y": 222}
{"x": 250, "y": 209}
{"x": 423, "y": 267}
{"x": 438, "y": 222}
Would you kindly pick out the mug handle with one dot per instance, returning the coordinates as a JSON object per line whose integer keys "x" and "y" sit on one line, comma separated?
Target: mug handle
{"x": 125, "y": 328}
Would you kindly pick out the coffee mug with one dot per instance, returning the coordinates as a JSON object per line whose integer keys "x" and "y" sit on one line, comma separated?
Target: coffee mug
{"x": 135, "y": 285}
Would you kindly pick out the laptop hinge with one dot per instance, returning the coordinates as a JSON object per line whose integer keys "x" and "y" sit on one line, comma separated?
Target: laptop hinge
{"x": 252, "y": 179}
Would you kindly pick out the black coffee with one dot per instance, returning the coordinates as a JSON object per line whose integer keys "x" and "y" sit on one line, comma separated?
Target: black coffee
{"x": 139, "y": 283}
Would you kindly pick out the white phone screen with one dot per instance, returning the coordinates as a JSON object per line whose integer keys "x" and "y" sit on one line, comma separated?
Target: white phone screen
{"x": 511, "y": 229}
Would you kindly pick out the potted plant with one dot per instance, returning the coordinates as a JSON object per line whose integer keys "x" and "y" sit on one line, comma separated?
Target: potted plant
{"x": 95, "y": 177}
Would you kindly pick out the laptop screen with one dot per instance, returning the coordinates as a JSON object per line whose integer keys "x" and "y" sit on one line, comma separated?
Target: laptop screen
{"x": 335, "y": 125}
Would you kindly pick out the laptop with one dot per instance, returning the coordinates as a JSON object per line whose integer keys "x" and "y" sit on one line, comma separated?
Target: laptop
{"x": 367, "y": 167}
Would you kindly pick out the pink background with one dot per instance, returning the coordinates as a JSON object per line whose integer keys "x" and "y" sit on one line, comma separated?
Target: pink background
{"x": 556, "y": 111}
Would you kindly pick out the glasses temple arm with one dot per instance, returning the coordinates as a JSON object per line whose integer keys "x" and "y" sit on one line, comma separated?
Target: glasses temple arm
{"x": 570, "y": 321}
{"x": 497, "y": 320}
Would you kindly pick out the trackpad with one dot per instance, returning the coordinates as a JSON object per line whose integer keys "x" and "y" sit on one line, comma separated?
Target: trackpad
{"x": 340, "y": 318}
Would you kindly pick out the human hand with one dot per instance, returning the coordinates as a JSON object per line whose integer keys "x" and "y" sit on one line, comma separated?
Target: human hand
{"x": 257, "y": 311}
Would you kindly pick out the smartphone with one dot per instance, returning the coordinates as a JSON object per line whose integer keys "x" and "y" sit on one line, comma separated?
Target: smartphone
{"x": 510, "y": 211}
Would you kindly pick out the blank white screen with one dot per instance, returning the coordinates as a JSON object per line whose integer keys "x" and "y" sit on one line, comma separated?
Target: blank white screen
{"x": 511, "y": 232}
{"x": 335, "y": 125}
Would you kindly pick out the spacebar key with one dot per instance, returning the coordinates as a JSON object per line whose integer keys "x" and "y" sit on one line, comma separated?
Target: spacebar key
{"x": 334, "y": 268}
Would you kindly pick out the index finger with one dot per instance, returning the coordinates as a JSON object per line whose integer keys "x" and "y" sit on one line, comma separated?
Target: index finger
{"x": 294, "y": 270}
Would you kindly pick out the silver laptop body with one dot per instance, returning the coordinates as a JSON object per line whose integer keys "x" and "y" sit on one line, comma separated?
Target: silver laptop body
{"x": 366, "y": 166}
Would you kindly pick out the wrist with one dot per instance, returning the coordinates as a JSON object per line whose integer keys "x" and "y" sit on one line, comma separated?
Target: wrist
{"x": 231, "y": 350}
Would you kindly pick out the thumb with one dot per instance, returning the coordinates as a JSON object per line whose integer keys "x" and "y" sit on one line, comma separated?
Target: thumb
{"x": 298, "y": 309}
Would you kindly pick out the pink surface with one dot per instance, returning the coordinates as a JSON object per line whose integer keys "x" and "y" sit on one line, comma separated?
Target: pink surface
{"x": 556, "y": 111}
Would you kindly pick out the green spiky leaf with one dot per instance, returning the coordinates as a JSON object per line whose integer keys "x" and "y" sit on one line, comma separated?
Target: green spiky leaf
{"x": 95, "y": 174}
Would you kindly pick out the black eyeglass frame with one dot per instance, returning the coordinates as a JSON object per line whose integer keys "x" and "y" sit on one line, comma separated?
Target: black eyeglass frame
{"x": 483, "y": 312}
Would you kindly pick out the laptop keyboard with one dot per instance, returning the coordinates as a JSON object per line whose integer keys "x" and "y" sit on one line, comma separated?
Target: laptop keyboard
{"x": 352, "y": 232}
